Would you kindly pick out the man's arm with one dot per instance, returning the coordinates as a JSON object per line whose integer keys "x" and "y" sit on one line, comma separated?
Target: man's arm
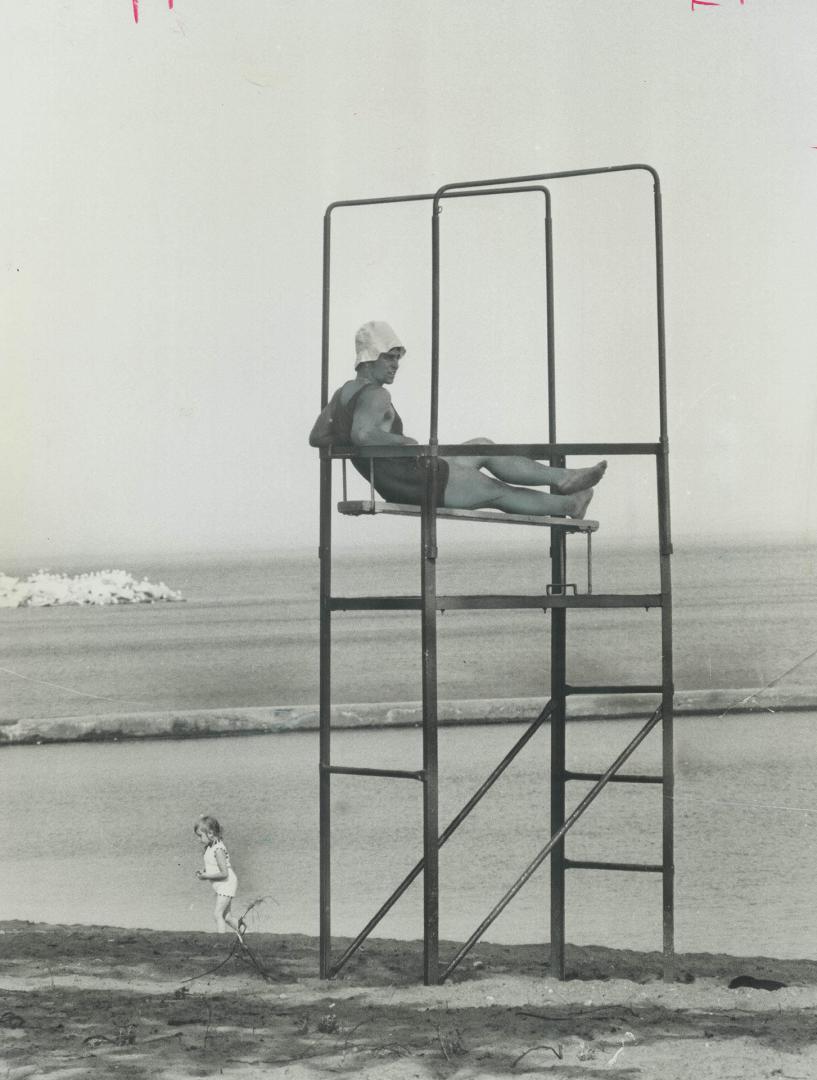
{"x": 321, "y": 433}
{"x": 372, "y": 420}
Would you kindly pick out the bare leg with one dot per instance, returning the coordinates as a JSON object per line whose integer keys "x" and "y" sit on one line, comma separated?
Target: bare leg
{"x": 519, "y": 500}
{"x": 522, "y": 470}
{"x": 470, "y": 489}
{"x": 222, "y": 915}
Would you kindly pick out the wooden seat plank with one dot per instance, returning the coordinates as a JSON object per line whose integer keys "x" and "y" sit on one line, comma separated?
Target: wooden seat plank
{"x": 358, "y": 507}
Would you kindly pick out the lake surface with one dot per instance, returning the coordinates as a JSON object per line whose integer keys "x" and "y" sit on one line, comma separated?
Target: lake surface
{"x": 102, "y": 834}
{"x": 247, "y": 634}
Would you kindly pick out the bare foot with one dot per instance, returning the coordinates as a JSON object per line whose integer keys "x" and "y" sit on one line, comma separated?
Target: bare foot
{"x": 579, "y": 503}
{"x": 581, "y": 479}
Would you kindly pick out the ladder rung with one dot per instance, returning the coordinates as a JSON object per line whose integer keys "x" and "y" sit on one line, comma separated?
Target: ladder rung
{"x": 351, "y": 770}
{"x": 619, "y": 689}
{"x": 643, "y": 868}
{"x": 623, "y": 778}
{"x": 487, "y": 601}
{"x": 583, "y": 600}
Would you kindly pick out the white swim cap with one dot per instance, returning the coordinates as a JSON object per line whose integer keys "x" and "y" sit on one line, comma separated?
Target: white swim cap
{"x": 374, "y": 338}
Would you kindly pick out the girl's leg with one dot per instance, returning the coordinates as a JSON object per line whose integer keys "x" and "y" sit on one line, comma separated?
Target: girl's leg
{"x": 522, "y": 470}
{"x": 222, "y": 914}
{"x": 470, "y": 489}
{"x": 234, "y": 923}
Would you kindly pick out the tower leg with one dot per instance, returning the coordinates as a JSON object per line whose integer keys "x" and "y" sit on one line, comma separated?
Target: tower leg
{"x": 667, "y": 719}
{"x": 431, "y": 881}
{"x": 558, "y": 642}
{"x": 668, "y": 857}
{"x": 325, "y": 649}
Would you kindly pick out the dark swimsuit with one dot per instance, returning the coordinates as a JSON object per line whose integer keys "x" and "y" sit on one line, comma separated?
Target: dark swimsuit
{"x": 399, "y": 480}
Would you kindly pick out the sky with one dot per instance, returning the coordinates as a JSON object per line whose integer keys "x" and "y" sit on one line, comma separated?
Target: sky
{"x": 165, "y": 183}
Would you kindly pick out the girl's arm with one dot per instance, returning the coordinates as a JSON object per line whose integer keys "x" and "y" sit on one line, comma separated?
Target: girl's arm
{"x": 222, "y": 866}
{"x": 202, "y": 875}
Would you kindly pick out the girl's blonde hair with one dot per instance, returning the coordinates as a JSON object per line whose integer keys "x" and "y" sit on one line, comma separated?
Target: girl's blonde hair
{"x": 210, "y": 824}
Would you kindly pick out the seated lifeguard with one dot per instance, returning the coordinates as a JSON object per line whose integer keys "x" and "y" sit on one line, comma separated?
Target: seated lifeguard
{"x": 361, "y": 413}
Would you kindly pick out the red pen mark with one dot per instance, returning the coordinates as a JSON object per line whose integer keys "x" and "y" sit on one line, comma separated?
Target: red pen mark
{"x": 711, "y": 3}
{"x": 170, "y": 6}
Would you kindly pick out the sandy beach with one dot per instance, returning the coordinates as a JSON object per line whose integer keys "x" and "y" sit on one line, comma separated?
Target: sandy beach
{"x": 83, "y": 1001}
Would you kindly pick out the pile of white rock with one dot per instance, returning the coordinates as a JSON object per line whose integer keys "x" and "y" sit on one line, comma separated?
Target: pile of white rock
{"x": 45, "y": 589}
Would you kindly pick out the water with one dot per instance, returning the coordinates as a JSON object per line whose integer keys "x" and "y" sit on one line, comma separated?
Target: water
{"x": 108, "y": 838}
{"x": 248, "y": 633}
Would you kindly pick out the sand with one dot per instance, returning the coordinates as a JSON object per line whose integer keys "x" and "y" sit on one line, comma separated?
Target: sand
{"x": 81, "y": 1001}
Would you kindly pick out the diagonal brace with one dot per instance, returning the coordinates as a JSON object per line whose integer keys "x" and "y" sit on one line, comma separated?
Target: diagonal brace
{"x": 451, "y": 828}
{"x": 554, "y": 840}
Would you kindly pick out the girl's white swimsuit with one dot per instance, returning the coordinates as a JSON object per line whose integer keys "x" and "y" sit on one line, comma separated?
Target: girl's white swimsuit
{"x": 229, "y": 886}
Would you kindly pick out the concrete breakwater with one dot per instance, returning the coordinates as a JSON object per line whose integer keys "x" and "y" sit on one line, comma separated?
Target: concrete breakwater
{"x": 280, "y": 719}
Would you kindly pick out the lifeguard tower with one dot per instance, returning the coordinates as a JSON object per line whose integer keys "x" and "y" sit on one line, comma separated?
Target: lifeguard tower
{"x": 560, "y": 597}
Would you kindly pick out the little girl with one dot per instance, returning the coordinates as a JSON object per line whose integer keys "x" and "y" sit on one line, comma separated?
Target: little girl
{"x": 218, "y": 870}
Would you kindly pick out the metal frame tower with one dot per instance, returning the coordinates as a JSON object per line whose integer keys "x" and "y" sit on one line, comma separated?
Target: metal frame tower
{"x": 557, "y": 600}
